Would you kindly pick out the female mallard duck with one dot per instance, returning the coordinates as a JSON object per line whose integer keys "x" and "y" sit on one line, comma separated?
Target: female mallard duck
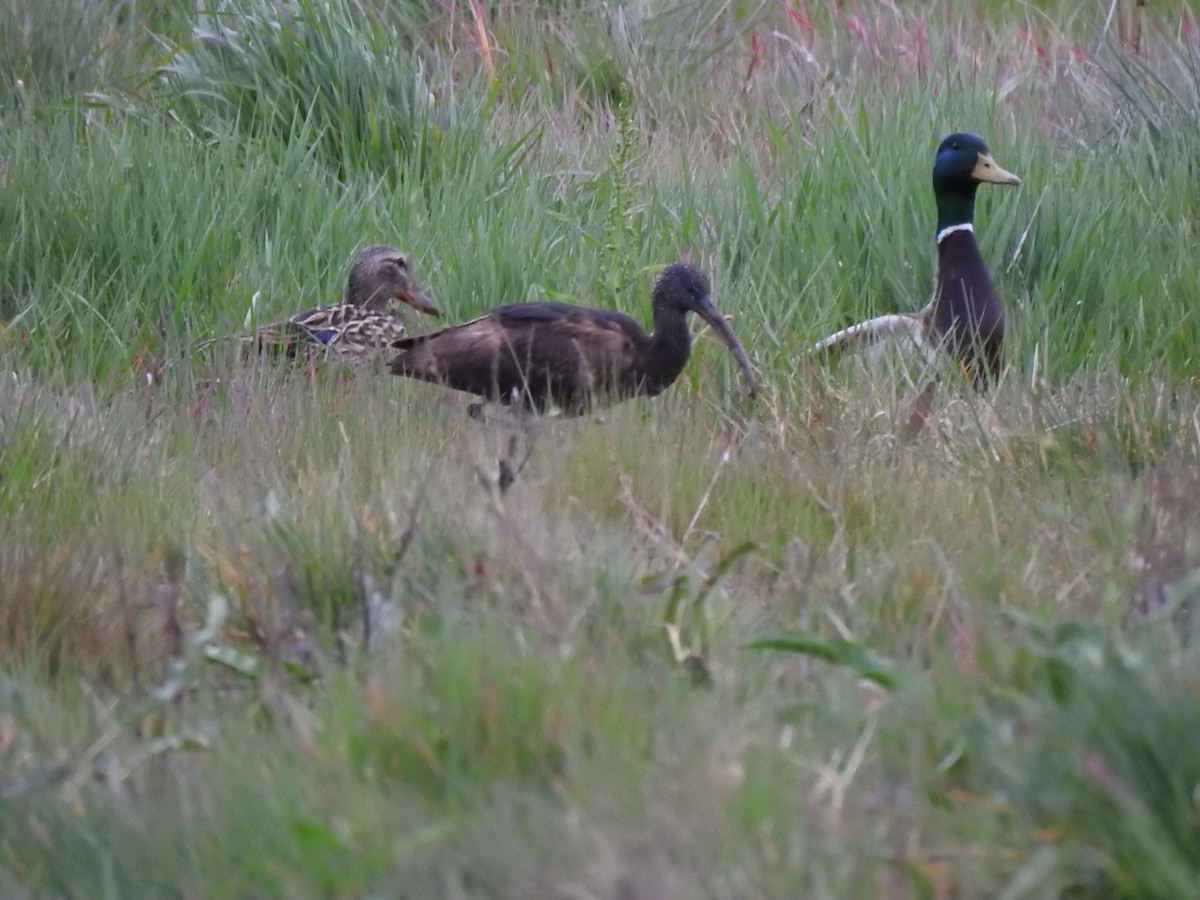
{"x": 366, "y": 322}
{"x": 965, "y": 318}
{"x": 539, "y": 355}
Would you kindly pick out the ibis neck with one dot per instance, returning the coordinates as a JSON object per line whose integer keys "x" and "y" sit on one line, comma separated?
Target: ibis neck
{"x": 669, "y": 348}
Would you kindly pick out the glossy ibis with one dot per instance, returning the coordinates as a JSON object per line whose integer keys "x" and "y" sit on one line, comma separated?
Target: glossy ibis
{"x": 965, "y": 318}
{"x": 538, "y": 355}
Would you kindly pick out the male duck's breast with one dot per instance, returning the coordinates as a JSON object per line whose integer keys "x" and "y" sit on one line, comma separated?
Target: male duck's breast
{"x": 967, "y": 313}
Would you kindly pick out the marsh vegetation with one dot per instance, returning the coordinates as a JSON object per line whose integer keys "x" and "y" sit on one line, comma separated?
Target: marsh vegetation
{"x": 268, "y": 631}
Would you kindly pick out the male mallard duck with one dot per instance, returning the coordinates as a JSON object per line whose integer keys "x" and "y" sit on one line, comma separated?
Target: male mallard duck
{"x": 366, "y": 322}
{"x": 965, "y": 317}
{"x": 541, "y": 354}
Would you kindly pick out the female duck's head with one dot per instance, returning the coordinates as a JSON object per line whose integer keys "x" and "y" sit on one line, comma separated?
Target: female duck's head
{"x": 380, "y": 275}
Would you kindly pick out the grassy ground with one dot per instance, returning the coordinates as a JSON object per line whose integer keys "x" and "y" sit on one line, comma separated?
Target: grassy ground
{"x": 267, "y": 633}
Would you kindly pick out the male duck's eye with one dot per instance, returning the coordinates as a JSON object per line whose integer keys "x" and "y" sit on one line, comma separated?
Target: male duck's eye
{"x": 954, "y": 146}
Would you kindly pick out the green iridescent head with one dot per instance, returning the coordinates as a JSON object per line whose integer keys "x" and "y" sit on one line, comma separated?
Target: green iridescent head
{"x": 963, "y": 162}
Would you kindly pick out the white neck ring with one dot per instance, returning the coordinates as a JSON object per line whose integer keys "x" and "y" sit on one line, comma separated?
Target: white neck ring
{"x": 950, "y": 229}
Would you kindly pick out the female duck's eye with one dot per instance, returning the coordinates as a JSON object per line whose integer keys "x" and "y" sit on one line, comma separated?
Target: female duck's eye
{"x": 400, "y": 264}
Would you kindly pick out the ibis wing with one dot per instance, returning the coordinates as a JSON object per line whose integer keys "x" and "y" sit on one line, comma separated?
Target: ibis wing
{"x": 571, "y": 352}
{"x": 543, "y": 350}
{"x": 577, "y": 360}
{"x": 463, "y": 356}
{"x": 561, "y": 315}
{"x": 545, "y": 313}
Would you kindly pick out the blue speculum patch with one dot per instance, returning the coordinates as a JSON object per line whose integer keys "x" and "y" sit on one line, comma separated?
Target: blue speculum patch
{"x": 325, "y": 335}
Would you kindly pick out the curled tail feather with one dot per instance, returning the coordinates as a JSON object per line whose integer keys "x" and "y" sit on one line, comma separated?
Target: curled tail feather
{"x": 871, "y": 332}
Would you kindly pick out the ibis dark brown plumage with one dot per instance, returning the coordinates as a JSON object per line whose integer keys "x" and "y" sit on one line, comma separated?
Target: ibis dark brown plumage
{"x": 539, "y": 355}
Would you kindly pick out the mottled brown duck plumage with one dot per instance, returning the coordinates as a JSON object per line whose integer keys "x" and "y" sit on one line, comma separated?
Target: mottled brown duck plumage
{"x": 361, "y": 328}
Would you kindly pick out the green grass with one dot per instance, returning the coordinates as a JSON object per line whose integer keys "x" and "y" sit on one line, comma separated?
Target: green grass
{"x": 277, "y": 633}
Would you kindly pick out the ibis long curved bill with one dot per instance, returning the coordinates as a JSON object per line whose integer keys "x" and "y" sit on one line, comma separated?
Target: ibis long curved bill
{"x": 708, "y": 311}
